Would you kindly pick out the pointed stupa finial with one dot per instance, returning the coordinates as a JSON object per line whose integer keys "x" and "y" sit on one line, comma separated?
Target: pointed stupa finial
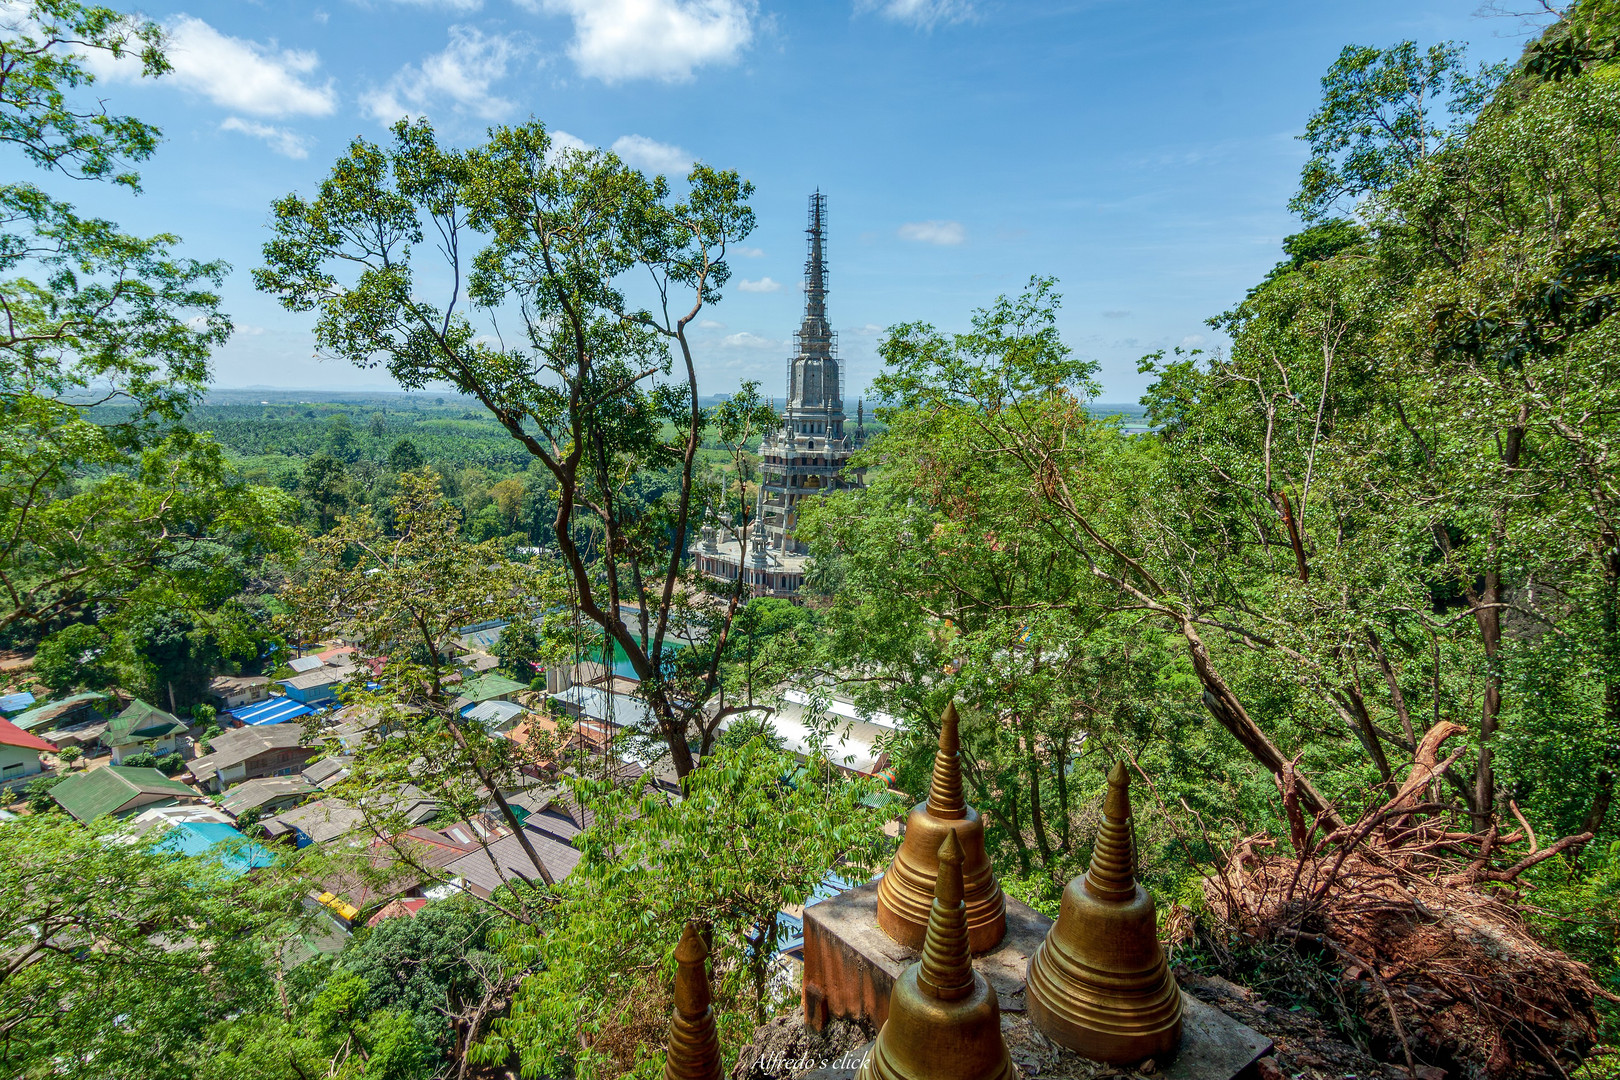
{"x": 945, "y": 791}
{"x": 947, "y": 973}
{"x": 1112, "y": 874}
{"x": 694, "y": 1042}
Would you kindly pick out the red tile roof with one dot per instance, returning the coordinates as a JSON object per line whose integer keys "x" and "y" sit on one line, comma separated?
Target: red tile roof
{"x": 12, "y": 735}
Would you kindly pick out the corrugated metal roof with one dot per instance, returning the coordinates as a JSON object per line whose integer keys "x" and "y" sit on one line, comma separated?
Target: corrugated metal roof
{"x": 17, "y": 702}
{"x": 52, "y": 710}
{"x": 102, "y": 791}
{"x": 309, "y": 680}
{"x": 235, "y": 852}
{"x": 274, "y": 711}
{"x": 305, "y": 663}
{"x": 141, "y": 722}
{"x": 12, "y": 735}
{"x": 508, "y": 853}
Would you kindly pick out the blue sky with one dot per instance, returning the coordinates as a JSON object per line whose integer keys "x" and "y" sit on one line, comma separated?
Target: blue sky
{"x": 1140, "y": 152}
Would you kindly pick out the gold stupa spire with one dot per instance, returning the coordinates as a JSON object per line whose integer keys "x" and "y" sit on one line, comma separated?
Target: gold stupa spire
{"x": 694, "y": 1044}
{"x": 906, "y": 893}
{"x": 945, "y": 790}
{"x": 1099, "y": 984}
{"x": 944, "y": 1019}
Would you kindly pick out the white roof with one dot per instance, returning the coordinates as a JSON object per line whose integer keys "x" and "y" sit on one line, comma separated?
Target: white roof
{"x": 620, "y": 710}
{"x": 161, "y": 817}
{"x": 852, "y": 744}
{"x": 845, "y": 710}
{"x": 493, "y": 713}
{"x": 305, "y": 663}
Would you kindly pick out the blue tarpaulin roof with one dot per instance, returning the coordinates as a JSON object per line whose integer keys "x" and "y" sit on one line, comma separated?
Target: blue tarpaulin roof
{"x": 275, "y": 711}
{"x": 239, "y": 855}
{"x": 16, "y": 702}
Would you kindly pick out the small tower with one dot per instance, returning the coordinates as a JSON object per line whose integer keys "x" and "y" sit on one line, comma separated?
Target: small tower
{"x": 710, "y": 545}
{"x": 944, "y": 1019}
{"x": 1099, "y": 984}
{"x": 906, "y": 893}
{"x": 694, "y": 1043}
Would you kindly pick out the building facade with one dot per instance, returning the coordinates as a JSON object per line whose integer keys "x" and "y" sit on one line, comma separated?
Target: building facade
{"x": 806, "y": 457}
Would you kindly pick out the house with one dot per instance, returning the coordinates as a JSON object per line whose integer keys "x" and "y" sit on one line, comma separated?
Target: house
{"x": 497, "y": 716}
{"x": 485, "y": 872}
{"x": 19, "y": 755}
{"x": 488, "y": 687}
{"x": 276, "y": 710}
{"x": 64, "y": 712}
{"x": 399, "y": 909}
{"x": 301, "y": 664}
{"x": 851, "y": 740}
{"x": 142, "y": 729}
{"x": 406, "y": 864}
{"x": 10, "y": 704}
{"x": 235, "y": 691}
{"x": 318, "y": 822}
{"x": 236, "y": 854}
{"x": 326, "y": 772}
{"x": 267, "y": 794}
{"x": 313, "y": 687}
{"x": 329, "y": 819}
{"x": 158, "y": 818}
{"x": 595, "y": 703}
{"x": 342, "y": 656}
{"x": 119, "y": 790}
{"x": 251, "y": 752}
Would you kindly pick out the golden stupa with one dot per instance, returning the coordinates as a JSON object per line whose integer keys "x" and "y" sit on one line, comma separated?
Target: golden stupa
{"x": 694, "y": 1044}
{"x": 944, "y": 1020}
{"x": 906, "y": 893}
{"x": 1099, "y": 984}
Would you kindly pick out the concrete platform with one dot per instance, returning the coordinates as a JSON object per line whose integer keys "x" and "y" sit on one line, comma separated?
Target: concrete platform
{"x": 850, "y": 967}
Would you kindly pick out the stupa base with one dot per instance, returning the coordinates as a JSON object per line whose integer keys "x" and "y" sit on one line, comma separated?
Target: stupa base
{"x": 850, "y": 967}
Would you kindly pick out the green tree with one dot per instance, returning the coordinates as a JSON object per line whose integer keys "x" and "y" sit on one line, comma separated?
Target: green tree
{"x": 326, "y": 484}
{"x": 403, "y": 597}
{"x": 580, "y": 391}
{"x": 757, "y": 832}
{"x": 75, "y": 656}
{"x": 521, "y": 649}
{"x": 105, "y": 945}
{"x": 93, "y": 511}
{"x": 404, "y": 457}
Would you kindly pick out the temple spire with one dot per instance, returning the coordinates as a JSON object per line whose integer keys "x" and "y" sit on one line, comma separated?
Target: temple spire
{"x": 694, "y": 1042}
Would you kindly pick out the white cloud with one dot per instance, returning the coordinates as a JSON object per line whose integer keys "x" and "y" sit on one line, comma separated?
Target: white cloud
{"x": 453, "y": 5}
{"x": 943, "y": 233}
{"x": 1117, "y": 313}
{"x": 748, "y": 252}
{"x": 652, "y": 155}
{"x": 284, "y": 141}
{"x": 923, "y": 13}
{"x": 243, "y": 76}
{"x": 463, "y": 75}
{"x": 561, "y": 140}
{"x": 616, "y": 40}
{"x": 746, "y": 340}
{"x": 764, "y": 284}
{"x": 1191, "y": 341}
{"x": 710, "y": 324}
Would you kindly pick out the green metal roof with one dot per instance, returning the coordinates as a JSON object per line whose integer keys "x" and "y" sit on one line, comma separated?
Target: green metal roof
{"x": 489, "y": 686}
{"x": 44, "y": 714}
{"x": 92, "y": 794}
{"x": 141, "y": 722}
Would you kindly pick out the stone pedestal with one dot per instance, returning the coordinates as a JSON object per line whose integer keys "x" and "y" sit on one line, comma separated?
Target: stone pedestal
{"x": 850, "y": 967}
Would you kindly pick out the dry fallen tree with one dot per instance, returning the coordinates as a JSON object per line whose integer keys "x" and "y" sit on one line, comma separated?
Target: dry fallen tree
{"x": 1422, "y": 917}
